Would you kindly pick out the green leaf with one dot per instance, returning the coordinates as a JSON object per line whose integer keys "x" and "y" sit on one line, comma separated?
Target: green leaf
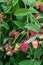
{"x": 5, "y": 25}
{"x": 30, "y": 3}
{"x": 6, "y": 9}
{"x": 22, "y": 12}
{"x": 1, "y": 63}
{"x": 37, "y": 62}
{"x": 32, "y": 26}
{"x": 38, "y": 53}
{"x": 3, "y": 0}
{"x": 2, "y": 54}
{"x": 8, "y": 63}
{"x": 15, "y": 2}
{"x": 19, "y": 24}
{"x": 32, "y": 10}
{"x": 12, "y": 60}
{"x": 26, "y": 62}
{"x": 19, "y": 38}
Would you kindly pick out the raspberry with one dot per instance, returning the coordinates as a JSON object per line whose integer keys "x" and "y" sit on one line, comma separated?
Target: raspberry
{"x": 1, "y": 15}
{"x": 24, "y": 46}
{"x": 12, "y": 35}
{"x": 37, "y": 15}
{"x": 35, "y": 44}
{"x": 6, "y": 46}
{"x": 13, "y": 51}
{"x": 16, "y": 35}
{"x": 32, "y": 33}
{"x": 41, "y": 8}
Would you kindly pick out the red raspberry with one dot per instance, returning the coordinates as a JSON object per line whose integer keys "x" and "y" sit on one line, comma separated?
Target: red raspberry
{"x": 14, "y": 51}
{"x": 16, "y": 35}
{"x": 37, "y": 15}
{"x": 32, "y": 33}
{"x": 24, "y": 46}
{"x": 12, "y": 35}
{"x": 1, "y": 15}
{"x": 41, "y": 8}
{"x": 6, "y": 47}
{"x": 30, "y": 36}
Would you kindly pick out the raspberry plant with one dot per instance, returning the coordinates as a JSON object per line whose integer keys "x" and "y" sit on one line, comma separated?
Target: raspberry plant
{"x": 21, "y": 32}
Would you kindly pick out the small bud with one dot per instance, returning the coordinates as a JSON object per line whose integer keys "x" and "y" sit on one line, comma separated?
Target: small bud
{"x": 37, "y": 5}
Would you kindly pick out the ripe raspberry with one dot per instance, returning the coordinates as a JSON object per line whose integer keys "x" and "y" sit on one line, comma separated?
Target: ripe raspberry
{"x": 41, "y": 8}
{"x": 14, "y": 51}
{"x": 37, "y": 15}
{"x": 24, "y": 46}
{"x": 32, "y": 33}
{"x": 12, "y": 35}
{"x": 16, "y": 35}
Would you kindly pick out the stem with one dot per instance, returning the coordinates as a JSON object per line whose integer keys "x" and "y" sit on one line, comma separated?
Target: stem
{"x": 27, "y": 15}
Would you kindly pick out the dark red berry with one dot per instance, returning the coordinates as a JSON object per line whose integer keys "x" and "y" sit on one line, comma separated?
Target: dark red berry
{"x": 32, "y": 33}
{"x": 41, "y": 8}
{"x": 12, "y": 35}
{"x": 37, "y": 15}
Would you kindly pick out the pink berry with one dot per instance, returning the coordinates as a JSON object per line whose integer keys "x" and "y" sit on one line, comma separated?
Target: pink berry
{"x": 16, "y": 35}
{"x": 24, "y": 46}
{"x": 37, "y": 15}
{"x": 6, "y": 46}
{"x": 41, "y": 8}
{"x": 1, "y": 15}
{"x": 32, "y": 33}
{"x": 13, "y": 51}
